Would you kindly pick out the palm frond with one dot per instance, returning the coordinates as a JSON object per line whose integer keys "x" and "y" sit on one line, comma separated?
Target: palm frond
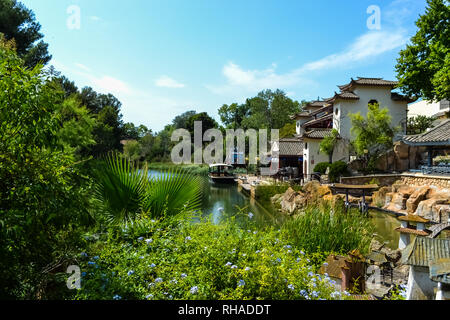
{"x": 121, "y": 189}
{"x": 172, "y": 192}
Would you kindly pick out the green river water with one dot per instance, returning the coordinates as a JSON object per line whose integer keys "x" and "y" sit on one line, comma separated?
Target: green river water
{"x": 220, "y": 200}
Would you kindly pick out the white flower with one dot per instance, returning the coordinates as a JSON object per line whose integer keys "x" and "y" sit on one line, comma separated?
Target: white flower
{"x": 194, "y": 290}
{"x": 241, "y": 283}
{"x": 148, "y": 241}
{"x": 250, "y": 215}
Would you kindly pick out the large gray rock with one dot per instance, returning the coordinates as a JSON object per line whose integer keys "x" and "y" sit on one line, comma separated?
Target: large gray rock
{"x": 415, "y": 198}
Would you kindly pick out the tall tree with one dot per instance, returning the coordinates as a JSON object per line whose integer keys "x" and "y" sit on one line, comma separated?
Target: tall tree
{"x": 19, "y": 23}
{"x": 423, "y": 67}
{"x": 373, "y": 135}
{"x": 328, "y": 144}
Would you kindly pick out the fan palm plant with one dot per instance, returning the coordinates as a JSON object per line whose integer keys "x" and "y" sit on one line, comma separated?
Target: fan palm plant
{"x": 126, "y": 192}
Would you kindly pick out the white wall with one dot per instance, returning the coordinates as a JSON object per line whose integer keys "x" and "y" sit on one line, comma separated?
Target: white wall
{"x": 424, "y": 108}
{"x": 420, "y": 286}
{"x": 341, "y": 109}
{"x": 312, "y": 154}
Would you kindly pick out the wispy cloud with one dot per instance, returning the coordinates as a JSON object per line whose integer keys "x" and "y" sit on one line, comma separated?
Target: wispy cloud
{"x": 369, "y": 45}
{"x": 167, "y": 82}
{"x": 95, "y": 18}
{"x": 83, "y": 67}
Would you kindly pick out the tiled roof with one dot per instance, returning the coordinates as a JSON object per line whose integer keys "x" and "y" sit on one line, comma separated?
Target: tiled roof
{"x": 368, "y": 82}
{"x": 318, "y": 120}
{"x": 413, "y": 231}
{"x": 327, "y": 109}
{"x": 302, "y": 114}
{"x": 290, "y": 147}
{"x": 315, "y": 104}
{"x": 440, "y": 270}
{"x": 423, "y": 250}
{"x": 345, "y": 95}
{"x": 439, "y": 135}
{"x": 318, "y": 133}
{"x": 413, "y": 218}
{"x": 398, "y": 97}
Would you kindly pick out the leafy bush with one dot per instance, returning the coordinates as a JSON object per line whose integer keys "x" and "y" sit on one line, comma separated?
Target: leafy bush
{"x": 337, "y": 170}
{"x": 322, "y": 229}
{"x": 185, "y": 260}
{"x": 322, "y": 167}
{"x": 43, "y": 198}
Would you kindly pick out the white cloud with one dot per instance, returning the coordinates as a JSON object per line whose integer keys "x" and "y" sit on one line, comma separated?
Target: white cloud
{"x": 83, "y": 67}
{"x": 110, "y": 84}
{"x": 369, "y": 45}
{"x": 363, "y": 48}
{"x": 167, "y": 82}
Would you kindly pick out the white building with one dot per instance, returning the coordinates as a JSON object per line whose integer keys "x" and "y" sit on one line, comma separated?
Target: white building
{"x": 428, "y": 108}
{"x": 429, "y": 269}
{"x": 319, "y": 117}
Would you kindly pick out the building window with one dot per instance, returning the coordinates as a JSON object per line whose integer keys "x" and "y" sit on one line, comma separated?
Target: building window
{"x": 306, "y": 145}
{"x": 373, "y": 101}
{"x": 298, "y": 124}
{"x": 336, "y": 111}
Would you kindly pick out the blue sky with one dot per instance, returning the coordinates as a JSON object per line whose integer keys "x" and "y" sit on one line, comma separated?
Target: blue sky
{"x": 164, "y": 57}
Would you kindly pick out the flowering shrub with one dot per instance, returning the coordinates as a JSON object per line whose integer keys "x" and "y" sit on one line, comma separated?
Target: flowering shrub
{"x": 184, "y": 260}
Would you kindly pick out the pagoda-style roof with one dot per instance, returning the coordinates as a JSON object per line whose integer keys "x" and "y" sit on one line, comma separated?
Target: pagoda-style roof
{"x": 422, "y": 251}
{"x": 413, "y": 218}
{"x": 368, "y": 82}
{"x": 437, "y": 136}
{"x": 290, "y": 147}
{"x": 327, "y": 117}
{"x": 422, "y": 233}
{"x": 302, "y": 114}
{"x": 399, "y": 97}
{"x": 345, "y": 95}
{"x": 315, "y": 104}
{"x": 317, "y": 133}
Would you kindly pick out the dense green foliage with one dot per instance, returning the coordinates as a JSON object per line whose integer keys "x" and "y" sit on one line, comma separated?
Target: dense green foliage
{"x": 419, "y": 124}
{"x": 42, "y": 193}
{"x": 182, "y": 260}
{"x": 337, "y": 170}
{"x": 373, "y": 135}
{"x": 269, "y": 109}
{"x": 423, "y": 67}
{"x": 19, "y": 23}
{"x": 321, "y": 167}
{"x": 323, "y": 229}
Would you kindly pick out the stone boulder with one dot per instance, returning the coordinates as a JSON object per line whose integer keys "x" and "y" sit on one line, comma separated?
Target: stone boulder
{"x": 425, "y": 208}
{"x": 415, "y": 198}
{"x": 398, "y": 202}
{"x": 379, "y": 197}
{"x": 441, "y": 213}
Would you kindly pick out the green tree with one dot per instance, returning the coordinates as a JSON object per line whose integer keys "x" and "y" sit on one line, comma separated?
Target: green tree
{"x": 181, "y": 121}
{"x": 232, "y": 115}
{"x": 419, "y": 124}
{"x": 288, "y": 130}
{"x": 328, "y": 144}
{"x": 373, "y": 135}
{"x": 42, "y": 199}
{"x": 269, "y": 109}
{"x": 423, "y": 67}
{"x": 19, "y": 23}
